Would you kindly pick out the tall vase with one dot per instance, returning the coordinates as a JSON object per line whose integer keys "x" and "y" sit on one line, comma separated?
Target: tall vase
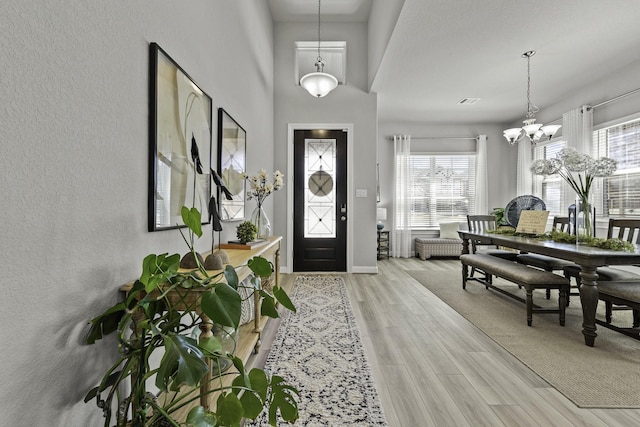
{"x": 584, "y": 219}
{"x": 261, "y": 221}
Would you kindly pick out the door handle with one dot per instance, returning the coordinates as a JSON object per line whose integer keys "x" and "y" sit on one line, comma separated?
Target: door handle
{"x": 343, "y": 218}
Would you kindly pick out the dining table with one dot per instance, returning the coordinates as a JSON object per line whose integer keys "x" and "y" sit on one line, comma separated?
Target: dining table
{"x": 589, "y": 258}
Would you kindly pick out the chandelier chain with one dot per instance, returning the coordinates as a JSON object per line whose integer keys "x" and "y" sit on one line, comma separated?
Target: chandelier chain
{"x": 531, "y": 108}
{"x": 529, "y": 85}
{"x": 319, "y": 57}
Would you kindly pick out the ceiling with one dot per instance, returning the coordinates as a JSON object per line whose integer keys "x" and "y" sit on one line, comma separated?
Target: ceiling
{"x": 441, "y": 51}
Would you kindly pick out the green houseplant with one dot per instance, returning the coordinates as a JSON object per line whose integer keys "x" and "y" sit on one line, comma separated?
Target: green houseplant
{"x": 499, "y": 214}
{"x": 159, "y": 313}
{"x": 246, "y": 232}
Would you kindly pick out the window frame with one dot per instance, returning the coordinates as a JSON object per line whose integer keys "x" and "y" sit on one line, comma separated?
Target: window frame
{"x": 466, "y": 184}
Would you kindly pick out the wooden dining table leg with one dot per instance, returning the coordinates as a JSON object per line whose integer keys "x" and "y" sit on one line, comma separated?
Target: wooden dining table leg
{"x": 589, "y": 300}
{"x": 465, "y": 267}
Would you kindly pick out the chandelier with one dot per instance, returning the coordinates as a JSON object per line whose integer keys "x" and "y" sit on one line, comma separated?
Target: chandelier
{"x": 319, "y": 83}
{"x": 531, "y": 129}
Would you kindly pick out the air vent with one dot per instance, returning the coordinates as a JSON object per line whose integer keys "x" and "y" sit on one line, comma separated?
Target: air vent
{"x": 468, "y": 101}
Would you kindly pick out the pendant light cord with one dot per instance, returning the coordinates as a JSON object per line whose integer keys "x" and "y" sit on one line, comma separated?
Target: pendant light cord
{"x": 319, "y": 63}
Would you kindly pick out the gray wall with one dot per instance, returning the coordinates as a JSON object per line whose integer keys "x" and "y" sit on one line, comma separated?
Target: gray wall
{"x": 74, "y": 90}
{"x": 346, "y": 104}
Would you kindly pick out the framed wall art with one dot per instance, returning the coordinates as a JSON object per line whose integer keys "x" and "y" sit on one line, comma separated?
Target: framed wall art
{"x": 232, "y": 155}
{"x": 180, "y": 138}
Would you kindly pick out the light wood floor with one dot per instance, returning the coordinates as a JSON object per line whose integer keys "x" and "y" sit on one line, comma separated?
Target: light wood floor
{"x": 434, "y": 368}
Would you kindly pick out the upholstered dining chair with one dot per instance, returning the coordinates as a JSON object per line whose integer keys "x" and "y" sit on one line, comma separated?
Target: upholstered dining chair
{"x": 481, "y": 223}
{"x": 547, "y": 263}
{"x": 623, "y": 229}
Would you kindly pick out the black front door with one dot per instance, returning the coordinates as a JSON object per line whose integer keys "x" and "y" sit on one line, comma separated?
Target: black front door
{"x": 320, "y": 200}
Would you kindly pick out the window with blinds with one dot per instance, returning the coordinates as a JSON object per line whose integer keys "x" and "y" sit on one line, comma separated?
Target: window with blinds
{"x": 619, "y": 195}
{"x": 442, "y": 188}
{"x": 550, "y": 188}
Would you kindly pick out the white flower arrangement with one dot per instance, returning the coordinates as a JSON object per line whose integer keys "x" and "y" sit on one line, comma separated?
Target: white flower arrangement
{"x": 260, "y": 187}
{"x": 578, "y": 170}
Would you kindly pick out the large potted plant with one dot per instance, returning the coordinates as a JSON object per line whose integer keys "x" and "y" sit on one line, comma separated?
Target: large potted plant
{"x": 159, "y": 314}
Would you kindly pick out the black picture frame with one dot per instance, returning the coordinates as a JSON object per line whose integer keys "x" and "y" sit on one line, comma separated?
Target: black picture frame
{"x": 180, "y": 143}
{"x": 232, "y": 165}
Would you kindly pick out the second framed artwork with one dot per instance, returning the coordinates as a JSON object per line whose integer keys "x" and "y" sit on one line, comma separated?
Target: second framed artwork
{"x": 232, "y": 160}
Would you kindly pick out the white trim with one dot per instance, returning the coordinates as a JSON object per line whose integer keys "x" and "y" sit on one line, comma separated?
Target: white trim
{"x": 365, "y": 270}
{"x": 291, "y": 127}
{"x": 616, "y": 122}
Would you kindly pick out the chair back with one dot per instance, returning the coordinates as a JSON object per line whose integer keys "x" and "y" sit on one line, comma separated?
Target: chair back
{"x": 624, "y": 229}
{"x": 561, "y": 223}
{"x": 479, "y": 223}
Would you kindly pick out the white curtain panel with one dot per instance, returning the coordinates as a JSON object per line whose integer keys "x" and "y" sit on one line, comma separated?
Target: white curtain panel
{"x": 524, "y": 177}
{"x": 401, "y": 229}
{"x": 481, "y": 206}
{"x": 577, "y": 131}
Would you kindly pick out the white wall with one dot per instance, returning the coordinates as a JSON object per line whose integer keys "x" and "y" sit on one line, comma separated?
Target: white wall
{"x": 346, "y": 104}
{"x": 607, "y": 88}
{"x": 74, "y": 90}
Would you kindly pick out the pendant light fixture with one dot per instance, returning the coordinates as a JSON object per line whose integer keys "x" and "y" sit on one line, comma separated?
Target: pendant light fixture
{"x": 319, "y": 83}
{"x": 531, "y": 129}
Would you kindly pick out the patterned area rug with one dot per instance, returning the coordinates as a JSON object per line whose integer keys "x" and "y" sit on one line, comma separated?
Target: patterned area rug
{"x": 319, "y": 351}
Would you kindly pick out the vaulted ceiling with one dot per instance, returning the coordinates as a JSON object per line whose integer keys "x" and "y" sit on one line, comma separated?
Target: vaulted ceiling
{"x": 438, "y": 52}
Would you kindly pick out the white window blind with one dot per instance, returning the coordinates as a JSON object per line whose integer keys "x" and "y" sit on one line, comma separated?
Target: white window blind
{"x": 619, "y": 195}
{"x": 550, "y": 188}
{"x": 442, "y": 188}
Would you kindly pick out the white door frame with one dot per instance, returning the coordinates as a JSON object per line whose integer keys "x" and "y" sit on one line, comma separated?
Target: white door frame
{"x": 291, "y": 127}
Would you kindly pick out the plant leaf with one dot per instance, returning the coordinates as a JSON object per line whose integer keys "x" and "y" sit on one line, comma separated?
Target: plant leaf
{"x": 268, "y": 307}
{"x": 251, "y": 405}
{"x": 232, "y": 276}
{"x": 283, "y": 298}
{"x": 182, "y": 363}
{"x": 229, "y": 410}
{"x": 222, "y": 305}
{"x": 106, "y": 323}
{"x": 210, "y": 346}
{"x": 111, "y": 380}
{"x": 200, "y": 417}
{"x": 192, "y": 219}
{"x": 259, "y": 382}
{"x": 282, "y": 398}
{"x": 260, "y": 266}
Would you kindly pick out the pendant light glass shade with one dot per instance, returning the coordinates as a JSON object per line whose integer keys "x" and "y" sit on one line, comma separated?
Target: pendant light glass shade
{"x": 531, "y": 129}
{"x": 319, "y": 84}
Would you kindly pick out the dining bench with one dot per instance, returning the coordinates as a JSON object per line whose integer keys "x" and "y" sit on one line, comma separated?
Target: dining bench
{"x": 625, "y": 294}
{"x": 522, "y": 275}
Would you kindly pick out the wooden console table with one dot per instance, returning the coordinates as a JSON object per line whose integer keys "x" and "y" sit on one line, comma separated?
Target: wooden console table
{"x": 249, "y": 334}
{"x": 587, "y": 257}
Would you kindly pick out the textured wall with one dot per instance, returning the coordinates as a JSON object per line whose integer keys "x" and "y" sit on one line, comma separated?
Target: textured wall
{"x": 74, "y": 111}
{"x": 348, "y": 104}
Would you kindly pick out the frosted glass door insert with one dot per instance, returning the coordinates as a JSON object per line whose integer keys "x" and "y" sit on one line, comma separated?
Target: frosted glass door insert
{"x": 320, "y": 195}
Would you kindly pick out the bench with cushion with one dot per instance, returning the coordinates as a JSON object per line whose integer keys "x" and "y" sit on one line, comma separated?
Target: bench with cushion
{"x": 625, "y": 294}
{"x": 437, "y": 246}
{"x": 447, "y": 244}
{"x": 522, "y": 275}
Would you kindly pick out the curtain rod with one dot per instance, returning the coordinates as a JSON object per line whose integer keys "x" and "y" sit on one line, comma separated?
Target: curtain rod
{"x": 631, "y": 92}
{"x": 440, "y": 137}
